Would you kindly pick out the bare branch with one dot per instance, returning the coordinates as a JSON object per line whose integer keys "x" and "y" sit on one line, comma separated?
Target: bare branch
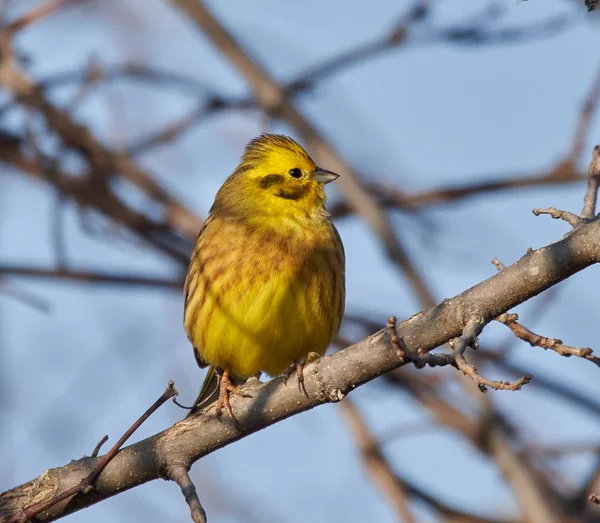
{"x": 535, "y": 340}
{"x": 391, "y": 198}
{"x": 585, "y": 118}
{"x": 179, "y": 475}
{"x": 589, "y": 201}
{"x": 78, "y": 137}
{"x": 34, "y": 15}
{"x": 377, "y": 466}
{"x": 572, "y": 219}
{"x": 90, "y": 277}
{"x": 23, "y": 296}
{"x": 329, "y": 379}
{"x": 468, "y": 338}
{"x": 86, "y": 485}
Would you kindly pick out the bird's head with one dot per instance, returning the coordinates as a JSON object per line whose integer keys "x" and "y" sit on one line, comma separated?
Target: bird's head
{"x": 277, "y": 176}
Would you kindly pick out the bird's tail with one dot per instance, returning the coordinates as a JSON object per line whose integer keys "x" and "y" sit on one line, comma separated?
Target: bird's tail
{"x": 209, "y": 391}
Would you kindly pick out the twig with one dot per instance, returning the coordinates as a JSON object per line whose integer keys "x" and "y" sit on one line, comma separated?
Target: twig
{"x": 419, "y": 361}
{"x": 397, "y": 489}
{"x": 86, "y": 485}
{"x": 585, "y": 119}
{"x": 589, "y": 202}
{"x": 391, "y": 198}
{"x": 482, "y": 383}
{"x": 24, "y": 296}
{"x": 535, "y": 340}
{"x": 35, "y": 14}
{"x": 456, "y": 358}
{"x": 103, "y": 161}
{"x": 572, "y": 219}
{"x": 332, "y": 377}
{"x": 99, "y": 446}
{"x": 86, "y": 276}
{"x": 468, "y": 338}
{"x": 376, "y": 464}
{"x": 180, "y": 475}
{"x": 591, "y": 195}
{"x": 90, "y": 192}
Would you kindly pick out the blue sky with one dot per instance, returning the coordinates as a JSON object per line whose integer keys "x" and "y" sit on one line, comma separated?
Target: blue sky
{"x": 425, "y": 115}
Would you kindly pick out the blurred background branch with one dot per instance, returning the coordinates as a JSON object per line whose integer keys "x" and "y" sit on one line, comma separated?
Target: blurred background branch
{"x": 449, "y": 122}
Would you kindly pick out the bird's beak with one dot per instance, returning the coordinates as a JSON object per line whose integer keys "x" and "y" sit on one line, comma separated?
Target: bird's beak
{"x": 323, "y": 176}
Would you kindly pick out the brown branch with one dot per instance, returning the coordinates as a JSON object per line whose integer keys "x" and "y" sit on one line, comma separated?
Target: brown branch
{"x": 585, "y": 119}
{"x": 467, "y": 339}
{"x": 572, "y": 219}
{"x": 396, "y": 488}
{"x": 98, "y": 446}
{"x": 327, "y": 380}
{"x": 535, "y": 340}
{"x": 524, "y": 480}
{"x": 376, "y": 464}
{"x": 34, "y": 15}
{"x": 86, "y": 485}
{"x": 391, "y": 198}
{"x": 102, "y": 160}
{"x": 179, "y": 475}
{"x": 90, "y": 277}
{"x": 87, "y": 192}
{"x": 274, "y": 101}
{"x": 591, "y": 195}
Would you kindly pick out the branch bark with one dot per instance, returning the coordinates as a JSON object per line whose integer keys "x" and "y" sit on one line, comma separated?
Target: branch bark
{"x": 327, "y": 380}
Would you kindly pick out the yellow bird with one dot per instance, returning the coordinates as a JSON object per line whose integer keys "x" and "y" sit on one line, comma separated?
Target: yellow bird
{"x": 265, "y": 285}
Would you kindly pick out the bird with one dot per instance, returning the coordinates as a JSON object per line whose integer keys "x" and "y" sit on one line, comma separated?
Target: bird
{"x": 265, "y": 287}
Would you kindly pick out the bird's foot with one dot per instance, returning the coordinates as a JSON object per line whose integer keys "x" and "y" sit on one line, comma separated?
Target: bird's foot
{"x": 226, "y": 389}
{"x": 298, "y": 367}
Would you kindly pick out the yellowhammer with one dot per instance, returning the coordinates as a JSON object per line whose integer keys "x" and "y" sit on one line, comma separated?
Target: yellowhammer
{"x": 265, "y": 286}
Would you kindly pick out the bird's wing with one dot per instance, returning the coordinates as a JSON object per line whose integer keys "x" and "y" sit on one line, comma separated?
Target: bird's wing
{"x": 186, "y": 290}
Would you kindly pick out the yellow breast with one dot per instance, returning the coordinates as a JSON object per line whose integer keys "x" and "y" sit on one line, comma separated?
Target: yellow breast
{"x": 260, "y": 298}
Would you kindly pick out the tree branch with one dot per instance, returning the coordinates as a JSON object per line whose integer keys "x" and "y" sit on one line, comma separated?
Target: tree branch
{"x": 327, "y": 380}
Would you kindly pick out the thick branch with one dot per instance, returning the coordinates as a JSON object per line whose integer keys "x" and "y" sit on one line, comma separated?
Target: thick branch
{"x": 327, "y": 380}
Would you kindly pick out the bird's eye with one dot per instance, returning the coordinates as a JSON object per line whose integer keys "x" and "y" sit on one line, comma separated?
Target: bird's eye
{"x": 296, "y": 173}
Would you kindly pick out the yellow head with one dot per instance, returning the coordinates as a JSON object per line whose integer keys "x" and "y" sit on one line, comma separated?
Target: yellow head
{"x": 276, "y": 176}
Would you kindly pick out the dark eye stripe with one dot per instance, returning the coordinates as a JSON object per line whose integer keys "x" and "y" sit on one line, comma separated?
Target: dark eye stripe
{"x": 270, "y": 180}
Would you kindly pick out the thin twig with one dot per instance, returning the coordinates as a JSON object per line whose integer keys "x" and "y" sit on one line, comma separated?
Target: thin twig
{"x": 23, "y": 296}
{"x": 99, "y": 446}
{"x": 87, "y": 484}
{"x": 179, "y": 475}
{"x": 104, "y": 162}
{"x": 585, "y": 119}
{"x": 459, "y": 345}
{"x": 87, "y": 276}
{"x": 35, "y": 14}
{"x": 391, "y": 198}
{"x": 591, "y": 195}
{"x": 535, "y": 340}
{"x": 572, "y": 219}
{"x": 432, "y": 359}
